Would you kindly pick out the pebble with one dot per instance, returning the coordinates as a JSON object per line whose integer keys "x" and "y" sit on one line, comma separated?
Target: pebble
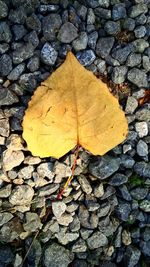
{"x": 33, "y": 23}
{"x": 86, "y": 57}
{"x": 17, "y": 15}
{"x": 56, "y": 255}
{"x": 4, "y": 127}
{"x": 90, "y": 16}
{"x": 80, "y": 43}
{"x": 140, "y": 31}
{"x": 33, "y": 63}
{"x": 104, "y": 167}
{"x": 4, "y": 48}
{"x": 145, "y": 205}
{"x": 137, "y": 10}
{"x": 87, "y": 221}
{"x": 6, "y": 256}
{"x": 121, "y": 54}
{"x": 65, "y": 219}
{"x": 131, "y": 105}
{"x": 26, "y": 172}
{"x": 139, "y": 45}
{"x": 19, "y": 31}
{"x": 118, "y": 11}
{"x": 35, "y": 252}
{"x": 79, "y": 246}
{"x": 139, "y": 193}
{"x": 3, "y": 10}
{"x": 14, "y": 142}
{"x": 48, "y": 8}
{"x": 119, "y": 74}
{"x": 67, "y": 33}
{"x": 138, "y": 77}
{"x": 12, "y": 159}
{"x": 16, "y": 72}
{"x": 123, "y": 211}
{"x": 85, "y": 185}
{"x": 128, "y": 24}
{"x": 45, "y": 169}
{"x": 101, "y": 65}
{"x": 132, "y": 256}
{"x": 48, "y": 54}
{"x": 99, "y": 190}
{"x": 142, "y": 148}
{"x": 104, "y": 46}
{"x": 5, "y": 32}
{"x": 48, "y": 190}
{"x": 141, "y": 128}
{"x": 118, "y": 179}
{"x": 65, "y": 238}
{"x": 97, "y": 240}
{"x": 32, "y": 160}
{"x": 5, "y": 191}
{"x": 58, "y": 208}
{"x": 32, "y": 222}
{"x": 6, "y": 65}
{"x": 126, "y": 238}
{"x": 21, "y": 195}
{"x": 50, "y": 26}
{"x": 103, "y": 13}
{"x": 123, "y": 192}
{"x": 21, "y": 54}
{"x": 133, "y": 60}
{"x": 92, "y": 39}
{"x": 112, "y": 27}
{"x": 146, "y": 63}
{"x": 142, "y": 169}
{"x": 143, "y": 115}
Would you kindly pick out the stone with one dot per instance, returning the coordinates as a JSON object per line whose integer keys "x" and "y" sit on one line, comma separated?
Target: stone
{"x": 128, "y": 24}
{"x": 4, "y": 48}
{"x": 103, "y": 210}
{"x": 123, "y": 211}
{"x": 56, "y": 255}
{"x": 144, "y": 116}
{"x": 131, "y": 105}
{"x": 103, "y": 13}
{"x": 19, "y": 31}
{"x": 79, "y": 246}
{"x": 5, "y": 191}
{"x": 145, "y": 205}
{"x": 51, "y": 25}
{"x": 67, "y": 33}
{"x": 5, "y": 32}
{"x": 90, "y": 16}
{"x": 14, "y": 142}
{"x": 65, "y": 238}
{"x": 21, "y": 54}
{"x": 3, "y": 10}
{"x": 123, "y": 192}
{"x": 35, "y": 253}
{"x": 48, "y": 8}
{"x": 45, "y": 169}
{"x": 118, "y": 179}
{"x": 99, "y": 190}
{"x": 145, "y": 248}
{"x": 132, "y": 256}
{"x": 146, "y": 63}
{"x": 32, "y": 222}
{"x": 126, "y": 238}
{"x": 6, "y": 256}
{"x": 139, "y": 193}
{"x": 65, "y": 219}
{"x": 139, "y": 45}
{"x": 118, "y": 11}
{"x": 127, "y": 161}
{"x": 140, "y": 31}
{"x": 26, "y": 172}
{"x": 119, "y": 74}
{"x": 33, "y": 23}
{"x": 142, "y": 148}
{"x": 7, "y": 97}
{"x": 97, "y": 240}
{"x": 33, "y": 64}
{"x": 142, "y": 169}
{"x": 87, "y": 221}
{"x": 4, "y": 127}
{"x": 133, "y": 60}
{"x": 32, "y": 38}
{"x": 121, "y": 54}
{"x": 58, "y": 208}
{"x": 92, "y": 39}
{"x": 16, "y": 72}
{"x": 17, "y": 15}
{"x": 85, "y": 185}
{"x": 12, "y": 159}
{"x": 137, "y": 10}
{"x": 30, "y": 160}
{"x": 86, "y": 57}
{"x": 80, "y": 42}
{"x": 6, "y": 65}
{"x": 21, "y": 195}
{"x": 104, "y": 46}
{"x": 48, "y": 54}
{"x": 104, "y": 167}
{"x": 141, "y": 128}
{"x": 101, "y": 65}
{"x": 48, "y": 190}
{"x": 112, "y": 27}
{"x": 18, "y": 260}
{"x": 138, "y": 77}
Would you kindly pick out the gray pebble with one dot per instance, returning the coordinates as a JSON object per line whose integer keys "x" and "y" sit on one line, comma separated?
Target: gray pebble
{"x": 143, "y": 115}
{"x": 118, "y": 179}
{"x": 32, "y": 38}
{"x": 145, "y": 205}
{"x": 6, "y": 65}
{"x": 33, "y": 23}
{"x": 138, "y": 77}
{"x": 123, "y": 192}
{"x": 132, "y": 256}
{"x": 86, "y": 57}
{"x": 104, "y": 46}
{"x": 131, "y": 105}
{"x": 142, "y": 148}
{"x": 112, "y": 27}
{"x": 119, "y": 74}
{"x": 101, "y": 65}
{"x": 92, "y": 39}
{"x": 80, "y": 42}
{"x": 33, "y": 63}
{"x": 102, "y": 13}
{"x": 67, "y": 33}
{"x": 140, "y": 45}
{"x": 22, "y": 53}
{"x": 7, "y": 97}
{"x": 5, "y": 32}
{"x": 21, "y": 195}
{"x": 48, "y": 54}
{"x": 4, "y": 48}
{"x": 142, "y": 168}
{"x": 32, "y": 222}
{"x": 19, "y": 31}
{"x": 119, "y": 11}
{"x": 123, "y": 211}
{"x": 139, "y": 193}
{"x": 18, "y": 15}
{"x": 146, "y": 63}
{"x": 5, "y": 191}
{"x": 141, "y": 128}
{"x": 85, "y": 185}
{"x": 140, "y": 31}
{"x": 128, "y": 24}
{"x": 48, "y": 8}
{"x": 97, "y": 240}
{"x": 16, "y": 72}
{"x": 121, "y": 54}
{"x": 4, "y": 127}
{"x": 3, "y": 10}
{"x": 50, "y": 26}
{"x": 137, "y": 10}
{"x": 5, "y": 217}
{"x": 90, "y": 16}
{"x": 133, "y": 60}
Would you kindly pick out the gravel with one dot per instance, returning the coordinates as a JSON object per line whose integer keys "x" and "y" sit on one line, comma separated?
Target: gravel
{"x": 67, "y": 33}
{"x": 104, "y": 46}
{"x": 48, "y": 54}
{"x": 138, "y": 77}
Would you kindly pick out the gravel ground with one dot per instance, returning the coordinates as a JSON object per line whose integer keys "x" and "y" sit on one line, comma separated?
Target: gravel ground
{"x": 104, "y": 217}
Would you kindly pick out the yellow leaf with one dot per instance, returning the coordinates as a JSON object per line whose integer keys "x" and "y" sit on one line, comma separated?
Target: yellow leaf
{"x": 73, "y": 107}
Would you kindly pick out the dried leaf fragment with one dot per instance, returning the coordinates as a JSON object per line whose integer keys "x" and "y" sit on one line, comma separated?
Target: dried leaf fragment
{"x": 73, "y": 107}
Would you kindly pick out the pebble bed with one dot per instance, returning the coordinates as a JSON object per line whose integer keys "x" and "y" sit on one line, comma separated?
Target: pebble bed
{"x": 104, "y": 217}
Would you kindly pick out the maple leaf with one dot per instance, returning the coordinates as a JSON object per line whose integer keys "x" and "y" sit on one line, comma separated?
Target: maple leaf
{"x": 73, "y": 107}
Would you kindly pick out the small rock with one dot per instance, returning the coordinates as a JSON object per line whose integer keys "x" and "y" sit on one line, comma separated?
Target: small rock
{"x": 33, "y": 23}
{"x": 133, "y": 60}
{"x": 87, "y": 221}
{"x": 48, "y": 54}
{"x": 26, "y": 172}
{"x": 119, "y": 74}
{"x": 65, "y": 238}
{"x": 101, "y": 65}
{"x": 46, "y": 170}
{"x": 118, "y": 179}
{"x": 16, "y": 72}
{"x": 123, "y": 210}
{"x": 141, "y": 128}
{"x": 51, "y": 25}
{"x": 119, "y": 11}
{"x": 21, "y": 195}
{"x": 32, "y": 160}
{"x": 142, "y": 169}
{"x": 126, "y": 237}
{"x": 139, "y": 45}
{"x": 58, "y": 208}
{"x": 99, "y": 190}
{"x": 104, "y": 46}
{"x": 92, "y": 39}
{"x": 7, "y": 97}
{"x": 32, "y": 222}
{"x": 56, "y": 255}
{"x": 103, "y": 13}
{"x": 5, "y": 191}
{"x": 112, "y": 27}
{"x": 132, "y": 256}
{"x": 32, "y": 38}
{"x": 3, "y": 10}
{"x": 6, "y": 65}
{"x": 48, "y": 8}
{"x": 48, "y": 190}
{"x": 90, "y": 16}
{"x": 140, "y": 31}
{"x": 139, "y": 193}
{"x": 33, "y": 63}
{"x": 143, "y": 115}
{"x": 19, "y": 31}
{"x": 97, "y": 240}
{"x": 128, "y": 24}
{"x": 18, "y": 260}
{"x": 137, "y": 10}
{"x": 86, "y": 57}
{"x": 145, "y": 205}
{"x": 35, "y": 252}
{"x": 6, "y": 256}
{"x": 137, "y": 77}
{"x": 17, "y": 15}
{"x": 121, "y": 54}
{"x": 4, "y": 48}
{"x": 81, "y": 42}
{"x": 124, "y": 193}
{"x": 14, "y": 142}
{"x": 142, "y": 148}
{"x": 23, "y": 53}
{"x": 104, "y": 167}
{"x": 79, "y": 246}
{"x": 67, "y": 33}
{"x": 12, "y": 159}
{"x": 4, "y": 127}
{"x": 131, "y": 105}
{"x": 103, "y": 210}
{"x": 65, "y": 219}
{"x": 85, "y": 185}
{"x": 5, "y": 32}
{"x": 146, "y": 63}
{"x": 145, "y": 248}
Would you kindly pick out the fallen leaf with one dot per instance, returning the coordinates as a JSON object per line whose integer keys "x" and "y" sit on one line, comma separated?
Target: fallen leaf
{"x": 145, "y": 98}
{"x": 73, "y": 107}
